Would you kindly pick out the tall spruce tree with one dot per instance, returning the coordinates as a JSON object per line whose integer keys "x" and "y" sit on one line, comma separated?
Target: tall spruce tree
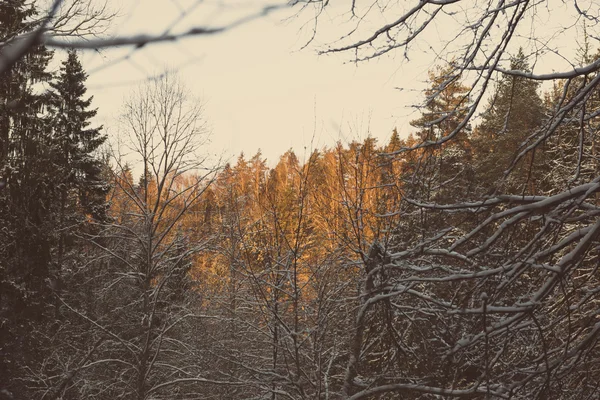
{"x": 445, "y": 171}
{"x": 79, "y": 193}
{"x": 572, "y": 153}
{"x": 515, "y": 112}
{"x": 49, "y": 179}
{"x": 25, "y": 194}
{"x": 75, "y": 141}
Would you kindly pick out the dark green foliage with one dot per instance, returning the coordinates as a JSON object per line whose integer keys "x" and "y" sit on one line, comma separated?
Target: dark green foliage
{"x": 49, "y": 180}
{"x": 75, "y": 141}
{"x": 514, "y": 114}
{"x": 25, "y": 197}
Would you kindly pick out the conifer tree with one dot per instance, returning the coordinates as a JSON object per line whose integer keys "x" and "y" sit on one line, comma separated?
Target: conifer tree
{"x": 445, "y": 172}
{"x": 79, "y": 192}
{"x": 572, "y": 153}
{"x": 442, "y": 173}
{"x": 75, "y": 141}
{"x": 515, "y": 112}
{"x": 26, "y": 192}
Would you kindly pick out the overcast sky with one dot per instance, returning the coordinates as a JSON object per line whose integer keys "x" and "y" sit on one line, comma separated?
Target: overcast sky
{"x": 260, "y": 88}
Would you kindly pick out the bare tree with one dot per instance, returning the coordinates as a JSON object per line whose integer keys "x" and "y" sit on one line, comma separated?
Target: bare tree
{"x": 504, "y": 303}
{"x": 283, "y": 297}
{"x": 140, "y": 323}
{"x": 498, "y": 301}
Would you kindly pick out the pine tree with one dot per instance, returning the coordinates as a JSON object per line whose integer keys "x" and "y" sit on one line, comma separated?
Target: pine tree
{"x": 51, "y": 180}
{"x": 79, "y": 193}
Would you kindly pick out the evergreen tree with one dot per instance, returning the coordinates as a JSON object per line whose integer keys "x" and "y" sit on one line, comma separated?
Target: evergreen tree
{"x": 515, "y": 112}
{"x": 18, "y": 103}
{"x": 26, "y": 192}
{"x": 79, "y": 192}
{"x": 76, "y": 143}
{"x": 445, "y": 171}
{"x": 572, "y": 153}
{"x": 50, "y": 180}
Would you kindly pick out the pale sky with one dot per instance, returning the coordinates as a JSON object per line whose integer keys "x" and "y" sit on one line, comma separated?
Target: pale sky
{"x": 261, "y": 90}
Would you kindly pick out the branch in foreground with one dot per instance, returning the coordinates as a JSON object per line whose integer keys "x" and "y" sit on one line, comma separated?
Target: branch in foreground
{"x": 142, "y": 40}
{"x": 20, "y": 45}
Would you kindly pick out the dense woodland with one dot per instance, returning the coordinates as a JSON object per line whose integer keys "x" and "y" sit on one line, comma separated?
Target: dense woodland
{"x": 456, "y": 260}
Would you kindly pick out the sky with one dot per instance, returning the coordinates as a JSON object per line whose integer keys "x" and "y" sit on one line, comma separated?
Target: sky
{"x": 261, "y": 88}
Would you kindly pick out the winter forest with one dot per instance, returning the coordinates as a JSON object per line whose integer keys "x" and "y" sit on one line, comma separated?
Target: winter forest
{"x": 458, "y": 259}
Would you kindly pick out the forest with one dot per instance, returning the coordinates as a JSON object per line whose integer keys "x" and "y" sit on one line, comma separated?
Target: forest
{"x": 457, "y": 260}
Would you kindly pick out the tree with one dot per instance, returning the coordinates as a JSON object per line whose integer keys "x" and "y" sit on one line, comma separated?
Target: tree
{"x": 136, "y": 332}
{"x": 29, "y": 189}
{"x": 78, "y": 171}
{"x": 280, "y": 292}
{"x": 449, "y": 166}
{"x": 79, "y": 197}
{"x": 76, "y": 142}
{"x": 26, "y": 193}
{"x": 571, "y": 152}
{"x": 514, "y": 111}
{"x": 501, "y": 311}
{"x": 443, "y": 173}
{"x": 328, "y": 285}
